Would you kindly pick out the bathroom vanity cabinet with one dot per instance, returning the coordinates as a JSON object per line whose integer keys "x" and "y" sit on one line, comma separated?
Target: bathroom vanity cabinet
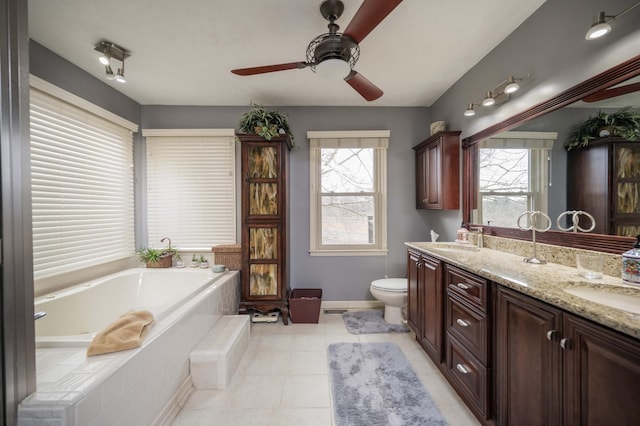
{"x": 424, "y": 301}
{"x": 515, "y": 359}
{"x": 438, "y": 172}
{"x": 264, "y": 168}
{"x": 553, "y": 367}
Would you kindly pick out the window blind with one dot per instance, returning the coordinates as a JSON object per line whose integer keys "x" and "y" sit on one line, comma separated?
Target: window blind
{"x": 191, "y": 188}
{"x": 82, "y": 187}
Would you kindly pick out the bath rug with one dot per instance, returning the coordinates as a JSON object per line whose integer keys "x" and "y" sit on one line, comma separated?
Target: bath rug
{"x": 127, "y": 332}
{"x": 370, "y": 322}
{"x": 374, "y": 384}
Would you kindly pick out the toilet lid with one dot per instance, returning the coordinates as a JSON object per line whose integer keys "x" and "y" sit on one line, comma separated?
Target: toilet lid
{"x": 390, "y": 284}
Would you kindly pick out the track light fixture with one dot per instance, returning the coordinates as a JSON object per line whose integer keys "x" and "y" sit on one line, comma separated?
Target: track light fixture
{"x": 109, "y": 51}
{"x": 498, "y": 95}
{"x": 602, "y": 23}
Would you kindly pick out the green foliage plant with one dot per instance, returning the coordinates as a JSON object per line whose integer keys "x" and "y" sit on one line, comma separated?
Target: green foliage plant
{"x": 624, "y": 123}
{"x": 265, "y": 123}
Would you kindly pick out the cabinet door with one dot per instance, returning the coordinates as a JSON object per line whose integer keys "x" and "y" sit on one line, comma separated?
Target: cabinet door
{"x": 528, "y": 361}
{"x": 433, "y": 173}
{"x": 602, "y": 375}
{"x": 421, "y": 179}
{"x": 263, "y": 191}
{"x": 432, "y": 301}
{"x": 626, "y": 190}
{"x": 414, "y": 264}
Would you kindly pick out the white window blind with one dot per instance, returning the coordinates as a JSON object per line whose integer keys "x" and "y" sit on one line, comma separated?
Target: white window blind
{"x": 81, "y": 183}
{"x": 191, "y": 188}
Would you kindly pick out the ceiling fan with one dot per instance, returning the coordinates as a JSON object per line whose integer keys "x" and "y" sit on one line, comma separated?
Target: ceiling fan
{"x": 334, "y": 54}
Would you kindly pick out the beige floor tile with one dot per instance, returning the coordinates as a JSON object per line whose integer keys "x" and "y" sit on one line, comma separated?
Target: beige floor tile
{"x": 227, "y": 417}
{"x": 308, "y": 362}
{"x": 268, "y": 362}
{"x": 304, "y": 416}
{"x": 306, "y": 391}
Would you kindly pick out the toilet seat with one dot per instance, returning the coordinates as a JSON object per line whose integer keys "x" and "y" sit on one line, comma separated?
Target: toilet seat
{"x": 398, "y": 285}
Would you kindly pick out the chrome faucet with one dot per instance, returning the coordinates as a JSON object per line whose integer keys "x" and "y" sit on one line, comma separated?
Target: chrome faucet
{"x": 39, "y": 315}
{"x": 480, "y": 235}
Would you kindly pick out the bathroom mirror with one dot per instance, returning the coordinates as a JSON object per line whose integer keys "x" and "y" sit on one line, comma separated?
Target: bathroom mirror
{"x": 566, "y": 107}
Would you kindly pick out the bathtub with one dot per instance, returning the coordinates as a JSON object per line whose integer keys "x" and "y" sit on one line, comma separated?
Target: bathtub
{"x": 145, "y": 385}
{"x": 75, "y": 315}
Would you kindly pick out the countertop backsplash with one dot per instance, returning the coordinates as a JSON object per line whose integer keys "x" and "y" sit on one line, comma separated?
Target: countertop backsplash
{"x": 555, "y": 254}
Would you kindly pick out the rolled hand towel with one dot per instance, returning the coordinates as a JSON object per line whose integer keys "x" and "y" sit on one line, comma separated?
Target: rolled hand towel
{"x": 125, "y": 333}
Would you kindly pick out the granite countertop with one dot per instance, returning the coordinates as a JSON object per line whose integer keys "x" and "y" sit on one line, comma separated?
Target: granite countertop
{"x": 546, "y": 282}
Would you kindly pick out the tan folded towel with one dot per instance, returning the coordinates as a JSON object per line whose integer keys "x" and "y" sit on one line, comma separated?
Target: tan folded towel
{"x": 125, "y": 333}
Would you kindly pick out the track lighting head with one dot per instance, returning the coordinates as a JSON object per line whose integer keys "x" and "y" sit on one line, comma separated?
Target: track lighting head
{"x": 469, "y": 112}
{"x": 601, "y": 25}
{"x": 109, "y": 51}
{"x": 488, "y": 99}
{"x": 512, "y": 86}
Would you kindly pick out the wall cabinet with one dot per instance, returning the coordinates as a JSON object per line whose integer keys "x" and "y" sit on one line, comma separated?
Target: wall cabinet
{"x": 424, "y": 301}
{"x": 264, "y": 166}
{"x": 438, "y": 172}
{"x": 555, "y": 368}
{"x": 604, "y": 180}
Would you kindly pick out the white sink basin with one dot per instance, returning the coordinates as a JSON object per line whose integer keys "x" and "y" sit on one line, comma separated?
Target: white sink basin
{"x": 618, "y": 298}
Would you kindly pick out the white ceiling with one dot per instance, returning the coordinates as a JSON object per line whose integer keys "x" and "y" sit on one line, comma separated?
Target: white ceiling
{"x": 182, "y": 51}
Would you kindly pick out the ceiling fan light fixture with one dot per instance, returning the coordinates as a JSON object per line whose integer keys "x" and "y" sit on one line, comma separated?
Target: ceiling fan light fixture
{"x": 333, "y": 69}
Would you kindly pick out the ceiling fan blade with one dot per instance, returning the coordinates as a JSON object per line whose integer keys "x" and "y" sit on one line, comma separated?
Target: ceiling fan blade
{"x": 367, "y": 89}
{"x": 270, "y": 68}
{"x": 370, "y": 14}
{"x": 613, "y": 92}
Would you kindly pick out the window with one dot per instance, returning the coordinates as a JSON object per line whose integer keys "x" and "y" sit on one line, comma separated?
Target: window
{"x": 191, "y": 187}
{"x": 513, "y": 176}
{"x": 81, "y": 182}
{"x": 348, "y": 201}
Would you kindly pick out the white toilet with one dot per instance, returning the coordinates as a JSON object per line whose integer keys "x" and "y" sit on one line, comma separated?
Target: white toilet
{"x": 393, "y": 293}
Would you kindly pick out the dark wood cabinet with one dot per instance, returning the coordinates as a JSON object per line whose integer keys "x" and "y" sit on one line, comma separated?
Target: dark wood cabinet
{"x": 602, "y": 375}
{"x": 555, "y": 368}
{"x": 467, "y": 338}
{"x": 438, "y": 172}
{"x": 603, "y": 179}
{"x": 528, "y": 376}
{"x": 425, "y": 302}
{"x": 264, "y": 224}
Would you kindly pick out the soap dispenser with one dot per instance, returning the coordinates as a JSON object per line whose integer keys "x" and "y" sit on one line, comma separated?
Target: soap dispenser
{"x": 462, "y": 235}
{"x": 631, "y": 264}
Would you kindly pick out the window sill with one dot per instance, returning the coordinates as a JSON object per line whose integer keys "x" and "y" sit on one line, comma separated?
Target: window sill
{"x": 372, "y": 252}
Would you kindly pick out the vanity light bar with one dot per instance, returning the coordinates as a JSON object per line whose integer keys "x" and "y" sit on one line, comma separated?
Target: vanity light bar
{"x": 498, "y": 95}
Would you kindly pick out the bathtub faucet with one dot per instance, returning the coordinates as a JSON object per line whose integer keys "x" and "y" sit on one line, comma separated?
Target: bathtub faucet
{"x": 39, "y": 315}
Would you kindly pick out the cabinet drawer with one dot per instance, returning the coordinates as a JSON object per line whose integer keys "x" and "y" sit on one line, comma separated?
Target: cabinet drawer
{"x": 469, "y": 287}
{"x": 467, "y": 325}
{"x": 468, "y": 375}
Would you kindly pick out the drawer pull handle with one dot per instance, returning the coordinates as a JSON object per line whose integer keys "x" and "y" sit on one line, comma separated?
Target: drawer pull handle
{"x": 551, "y": 335}
{"x": 462, "y": 322}
{"x": 564, "y": 343}
{"x": 463, "y": 286}
{"x": 463, "y": 369}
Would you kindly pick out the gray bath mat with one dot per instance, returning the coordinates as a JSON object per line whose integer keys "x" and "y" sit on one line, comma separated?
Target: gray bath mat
{"x": 370, "y": 322}
{"x": 373, "y": 384}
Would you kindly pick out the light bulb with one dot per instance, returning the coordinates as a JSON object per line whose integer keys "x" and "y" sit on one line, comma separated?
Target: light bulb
{"x": 512, "y": 86}
{"x": 104, "y": 59}
{"x": 488, "y": 100}
{"x": 120, "y": 77}
{"x": 333, "y": 69}
{"x": 469, "y": 112}
{"x": 599, "y": 27}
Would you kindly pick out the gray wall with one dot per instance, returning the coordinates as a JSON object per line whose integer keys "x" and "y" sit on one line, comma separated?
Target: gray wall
{"x": 341, "y": 278}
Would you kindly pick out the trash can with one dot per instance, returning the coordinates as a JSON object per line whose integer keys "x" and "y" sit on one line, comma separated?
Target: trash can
{"x": 304, "y": 305}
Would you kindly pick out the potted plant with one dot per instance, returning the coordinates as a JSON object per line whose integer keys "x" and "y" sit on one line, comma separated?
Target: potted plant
{"x": 265, "y": 123}
{"x": 204, "y": 263}
{"x": 194, "y": 261}
{"x": 624, "y": 123}
{"x": 156, "y": 258}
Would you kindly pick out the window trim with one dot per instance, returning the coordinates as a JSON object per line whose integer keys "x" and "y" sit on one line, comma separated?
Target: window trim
{"x": 377, "y": 139}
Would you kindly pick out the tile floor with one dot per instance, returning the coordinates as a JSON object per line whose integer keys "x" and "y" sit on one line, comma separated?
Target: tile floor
{"x": 283, "y": 379}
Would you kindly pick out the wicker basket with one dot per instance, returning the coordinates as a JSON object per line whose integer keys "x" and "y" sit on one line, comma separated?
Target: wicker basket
{"x": 228, "y": 255}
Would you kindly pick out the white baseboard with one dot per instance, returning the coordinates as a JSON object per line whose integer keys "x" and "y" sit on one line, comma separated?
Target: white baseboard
{"x": 351, "y": 304}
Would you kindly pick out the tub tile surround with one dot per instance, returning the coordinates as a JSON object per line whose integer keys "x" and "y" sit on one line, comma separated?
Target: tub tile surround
{"x": 146, "y": 384}
{"x": 501, "y": 261}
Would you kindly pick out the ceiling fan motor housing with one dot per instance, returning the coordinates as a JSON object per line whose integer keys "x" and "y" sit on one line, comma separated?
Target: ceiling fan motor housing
{"x": 332, "y": 46}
